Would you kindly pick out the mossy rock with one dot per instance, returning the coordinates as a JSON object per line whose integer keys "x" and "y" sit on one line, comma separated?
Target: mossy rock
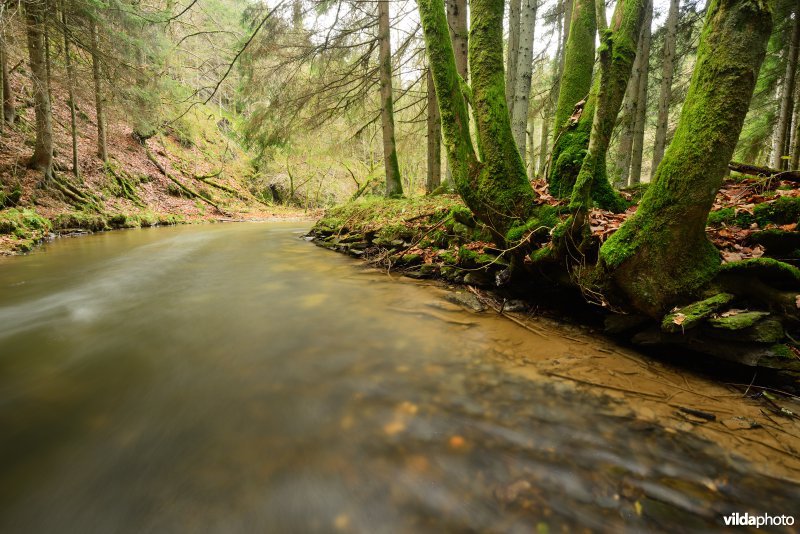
{"x": 777, "y": 242}
{"x": 785, "y": 210}
{"x": 770, "y": 271}
{"x": 409, "y": 259}
{"x": 737, "y": 321}
{"x": 690, "y": 316}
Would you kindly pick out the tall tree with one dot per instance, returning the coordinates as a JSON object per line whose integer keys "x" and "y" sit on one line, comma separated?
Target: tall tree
{"x": 9, "y": 111}
{"x": 495, "y": 187}
{"x": 641, "y": 101}
{"x": 42, "y": 158}
{"x": 665, "y": 94}
{"x": 394, "y": 185}
{"x": 522, "y": 80}
{"x": 434, "y": 138}
{"x": 576, "y": 80}
{"x": 70, "y": 89}
{"x": 780, "y": 146}
{"x": 795, "y": 163}
{"x": 617, "y": 52}
{"x": 512, "y": 54}
{"x": 662, "y": 255}
{"x": 102, "y": 150}
{"x": 459, "y": 33}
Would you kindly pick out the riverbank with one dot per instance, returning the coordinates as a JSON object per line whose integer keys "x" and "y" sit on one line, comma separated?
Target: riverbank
{"x": 437, "y": 237}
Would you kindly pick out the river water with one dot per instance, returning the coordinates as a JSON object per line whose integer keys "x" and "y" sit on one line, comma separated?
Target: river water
{"x": 236, "y": 378}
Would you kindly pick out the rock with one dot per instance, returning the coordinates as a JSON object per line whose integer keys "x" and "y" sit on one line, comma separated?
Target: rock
{"x": 515, "y": 305}
{"x": 690, "y": 316}
{"x": 478, "y": 278}
{"x": 465, "y": 300}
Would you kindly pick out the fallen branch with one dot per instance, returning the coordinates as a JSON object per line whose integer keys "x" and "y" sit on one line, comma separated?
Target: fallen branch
{"x": 755, "y": 170}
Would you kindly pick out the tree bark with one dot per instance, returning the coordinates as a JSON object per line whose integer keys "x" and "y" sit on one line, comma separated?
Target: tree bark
{"x": 42, "y": 158}
{"x": 576, "y": 81}
{"x": 394, "y": 186}
{"x": 522, "y": 82}
{"x": 641, "y": 101}
{"x": 665, "y": 94}
{"x": 544, "y": 139}
{"x": 795, "y": 163}
{"x": 531, "y": 159}
{"x": 495, "y": 189}
{"x": 661, "y": 255}
{"x": 434, "y": 138}
{"x": 617, "y": 53}
{"x": 71, "y": 90}
{"x": 459, "y": 33}
{"x": 99, "y": 102}
{"x": 785, "y": 114}
{"x": 512, "y": 54}
{"x": 625, "y": 144}
{"x": 9, "y": 111}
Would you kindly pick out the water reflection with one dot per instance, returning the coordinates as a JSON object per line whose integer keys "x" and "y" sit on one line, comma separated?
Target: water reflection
{"x": 237, "y": 379}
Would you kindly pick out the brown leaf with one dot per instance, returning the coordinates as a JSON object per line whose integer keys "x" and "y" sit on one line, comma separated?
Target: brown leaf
{"x": 679, "y": 318}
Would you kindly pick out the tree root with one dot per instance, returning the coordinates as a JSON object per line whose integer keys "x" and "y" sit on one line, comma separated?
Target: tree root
{"x": 128, "y": 190}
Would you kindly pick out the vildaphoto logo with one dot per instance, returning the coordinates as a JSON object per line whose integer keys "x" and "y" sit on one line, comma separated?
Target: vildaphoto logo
{"x": 763, "y": 520}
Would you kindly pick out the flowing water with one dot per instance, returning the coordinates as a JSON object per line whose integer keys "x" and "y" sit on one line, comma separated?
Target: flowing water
{"x": 236, "y": 378}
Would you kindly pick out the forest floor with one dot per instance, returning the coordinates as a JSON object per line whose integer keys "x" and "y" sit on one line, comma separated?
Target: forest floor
{"x": 437, "y": 237}
{"x": 194, "y": 172}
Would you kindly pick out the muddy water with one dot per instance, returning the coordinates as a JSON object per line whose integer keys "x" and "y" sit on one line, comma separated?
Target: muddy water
{"x": 235, "y": 378}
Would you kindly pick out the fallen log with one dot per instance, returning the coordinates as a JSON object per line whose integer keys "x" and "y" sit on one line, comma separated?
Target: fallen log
{"x": 755, "y": 170}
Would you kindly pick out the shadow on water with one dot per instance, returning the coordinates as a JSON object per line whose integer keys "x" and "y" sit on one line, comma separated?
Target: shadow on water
{"x": 238, "y": 379}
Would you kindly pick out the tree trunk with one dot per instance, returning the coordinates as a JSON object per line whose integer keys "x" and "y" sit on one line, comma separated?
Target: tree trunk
{"x": 531, "y": 135}
{"x": 602, "y": 24}
{"x": 99, "y": 102}
{"x": 9, "y": 111}
{"x": 641, "y": 101}
{"x": 666, "y": 85}
{"x": 495, "y": 189}
{"x": 394, "y": 186}
{"x": 71, "y": 90}
{"x": 566, "y": 23}
{"x": 544, "y": 138}
{"x": 661, "y": 255}
{"x": 625, "y": 144}
{"x": 42, "y": 159}
{"x": 617, "y": 53}
{"x": 795, "y": 163}
{"x": 512, "y": 54}
{"x": 785, "y": 115}
{"x": 434, "y": 138}
{"x": 576, "y": 82}
{"x": 522, "y": 81}
{"x": 457, "y": 22}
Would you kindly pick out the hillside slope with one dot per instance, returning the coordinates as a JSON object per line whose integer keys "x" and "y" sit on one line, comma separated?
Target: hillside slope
{"x": 194, "y": 172}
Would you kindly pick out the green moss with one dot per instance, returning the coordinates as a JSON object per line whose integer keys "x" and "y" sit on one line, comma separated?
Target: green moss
{"x": 661, "y": 255}
{"x": 784, "y": 210}
{"x": 79, "y": 220}
{"x": 770, "y": 271}
{"x": 690, "y": 316}
{"x": 738, "y": 321}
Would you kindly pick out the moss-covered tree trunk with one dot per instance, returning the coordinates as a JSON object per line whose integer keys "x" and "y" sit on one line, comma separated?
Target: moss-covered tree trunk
{"x": 569, "y": 143}
{"x": 459, "y": 34}
{"x": 394, "y": 186}
{"x": 522, "y": 81}
{"x": 42, "y": 158}
{"x": 617, "y": 52}
{"x": 495, "y": 188}
{"x": 661, "y": 255}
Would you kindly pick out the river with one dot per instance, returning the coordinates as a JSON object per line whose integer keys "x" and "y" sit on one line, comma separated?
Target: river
{"x": 236, "y": 378}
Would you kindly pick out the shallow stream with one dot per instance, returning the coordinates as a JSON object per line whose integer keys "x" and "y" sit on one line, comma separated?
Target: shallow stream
{"x": 236, "y": 378}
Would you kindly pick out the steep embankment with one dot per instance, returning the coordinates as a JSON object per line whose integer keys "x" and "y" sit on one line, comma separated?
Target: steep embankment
{"x": 192, "y": 171}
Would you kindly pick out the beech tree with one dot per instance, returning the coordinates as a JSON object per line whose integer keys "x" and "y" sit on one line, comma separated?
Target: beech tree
{"x": 665, "y": 94}
{"x": 662, "y": 253}
{"x": 394, "y": 186}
